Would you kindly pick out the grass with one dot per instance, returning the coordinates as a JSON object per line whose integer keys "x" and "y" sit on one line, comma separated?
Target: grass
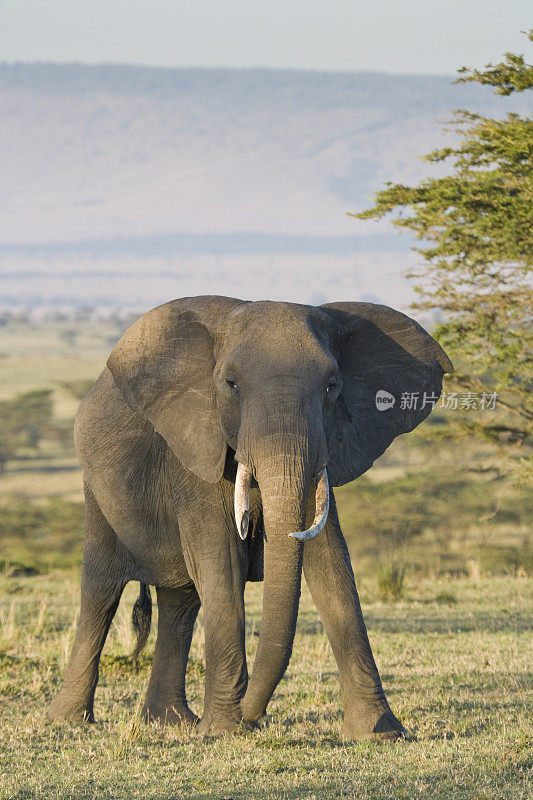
{"x": 391, "y": 579}
{"x": 453, "y": 642}
{"x": 40, "y": 535}
{"x": 441, "y": 519}
{"x": 459, "y": 677}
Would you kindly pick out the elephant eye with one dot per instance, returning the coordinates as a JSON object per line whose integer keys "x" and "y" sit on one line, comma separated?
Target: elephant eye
{"x": 331, "y": 386}
{"x": 231, "y": 383}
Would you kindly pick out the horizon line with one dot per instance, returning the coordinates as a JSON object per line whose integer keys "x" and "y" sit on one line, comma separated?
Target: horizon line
{"x": 234, "y": 68}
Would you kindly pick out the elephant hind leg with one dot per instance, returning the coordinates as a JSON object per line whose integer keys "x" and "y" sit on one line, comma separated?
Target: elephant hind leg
{"x": 102, "y": 583}
{"x": 165, "y": 697}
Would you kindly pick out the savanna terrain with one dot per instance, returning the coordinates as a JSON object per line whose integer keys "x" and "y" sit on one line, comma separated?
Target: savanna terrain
{"x": 441, "y": 550}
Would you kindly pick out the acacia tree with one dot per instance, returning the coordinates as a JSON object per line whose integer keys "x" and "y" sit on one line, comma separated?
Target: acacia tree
{"x": 475, "y": 224}
{"x": 22, "y": 422}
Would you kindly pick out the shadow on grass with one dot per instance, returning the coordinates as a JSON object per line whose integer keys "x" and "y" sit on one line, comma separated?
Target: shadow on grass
{"x": 478, "y": 622}
{"x": 439, "y": 784}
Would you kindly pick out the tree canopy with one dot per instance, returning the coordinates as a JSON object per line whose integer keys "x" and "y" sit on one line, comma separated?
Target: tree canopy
{"x": 475, "y": 227}
{"x": 22, "y": 422}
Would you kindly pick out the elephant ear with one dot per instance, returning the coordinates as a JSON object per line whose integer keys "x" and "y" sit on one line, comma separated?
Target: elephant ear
{"x": 392, "y": 376}
{"x": 163, "y": 366}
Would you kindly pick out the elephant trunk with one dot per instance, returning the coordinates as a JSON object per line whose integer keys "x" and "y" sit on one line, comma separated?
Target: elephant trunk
{"x": 281, "y": 595}
{"x": 285, "y": 477}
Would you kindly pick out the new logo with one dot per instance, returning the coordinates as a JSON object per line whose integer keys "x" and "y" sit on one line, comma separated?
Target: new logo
{"x": 384, "y": 400}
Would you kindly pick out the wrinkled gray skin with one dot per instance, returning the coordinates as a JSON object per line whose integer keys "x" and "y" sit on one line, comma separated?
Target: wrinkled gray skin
{"x": 192, "y": 388}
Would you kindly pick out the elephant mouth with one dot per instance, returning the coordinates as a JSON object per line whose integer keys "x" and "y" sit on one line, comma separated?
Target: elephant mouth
{"x": 243, "y": 482}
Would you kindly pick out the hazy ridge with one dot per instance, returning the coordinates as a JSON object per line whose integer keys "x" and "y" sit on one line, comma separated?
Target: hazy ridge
{"x": 204, "y": 180}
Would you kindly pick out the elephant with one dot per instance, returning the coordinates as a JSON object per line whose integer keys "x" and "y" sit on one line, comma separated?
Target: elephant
{"x": 210, "y": 444}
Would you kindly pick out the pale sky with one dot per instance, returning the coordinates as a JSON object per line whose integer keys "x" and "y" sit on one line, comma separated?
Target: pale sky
{"x": 406, "y": 36}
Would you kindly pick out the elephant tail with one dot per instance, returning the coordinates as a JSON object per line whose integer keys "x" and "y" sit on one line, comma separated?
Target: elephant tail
{"x": 141, "y": 620}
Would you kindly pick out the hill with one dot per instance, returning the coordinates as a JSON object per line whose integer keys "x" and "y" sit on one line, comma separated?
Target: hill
{"x": 127, "y": 185}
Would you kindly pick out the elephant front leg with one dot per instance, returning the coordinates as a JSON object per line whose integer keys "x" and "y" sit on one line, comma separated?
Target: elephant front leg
{"x": 165, "y": 698}
{"x": 216, "y": 561}
{"x": 329, "y": 575}
{"x": 226, "y": 674}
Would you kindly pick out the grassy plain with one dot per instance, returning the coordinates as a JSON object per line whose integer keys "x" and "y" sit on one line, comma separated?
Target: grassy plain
{"x": 457, "y": 671}
{"x": 454, "y": 651}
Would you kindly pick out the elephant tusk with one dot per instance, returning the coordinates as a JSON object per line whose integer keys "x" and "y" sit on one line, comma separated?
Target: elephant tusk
{"x": 242, "y": 499}
{"x": 321, "y": 513}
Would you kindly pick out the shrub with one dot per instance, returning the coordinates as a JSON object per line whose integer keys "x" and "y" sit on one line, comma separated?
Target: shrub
{"x": 391, "y": 579}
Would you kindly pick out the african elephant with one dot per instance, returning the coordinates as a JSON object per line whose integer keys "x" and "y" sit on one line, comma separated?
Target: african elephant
{"x": 204, "y": 443}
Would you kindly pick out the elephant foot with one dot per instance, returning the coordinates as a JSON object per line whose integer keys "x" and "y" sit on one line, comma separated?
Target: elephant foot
{"x": 64, "y": 709}
{"x": 177, "y": 714}
{"x": 223, "y": 726}
{"x": 377, "y": 725}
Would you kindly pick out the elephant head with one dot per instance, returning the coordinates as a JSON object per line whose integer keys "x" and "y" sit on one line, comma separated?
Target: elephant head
{"x": 294, "y": 391}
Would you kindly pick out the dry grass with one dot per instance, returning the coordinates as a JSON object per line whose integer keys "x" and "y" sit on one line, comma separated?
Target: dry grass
{"x": 455, "y": 654}
{"x": 457, "y": 674}
{"x": 391, "y": 579}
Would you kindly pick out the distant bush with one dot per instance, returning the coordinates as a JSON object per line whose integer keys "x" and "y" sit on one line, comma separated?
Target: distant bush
{"x": 68, "y": 336}
{"x": 23, "y": 421}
